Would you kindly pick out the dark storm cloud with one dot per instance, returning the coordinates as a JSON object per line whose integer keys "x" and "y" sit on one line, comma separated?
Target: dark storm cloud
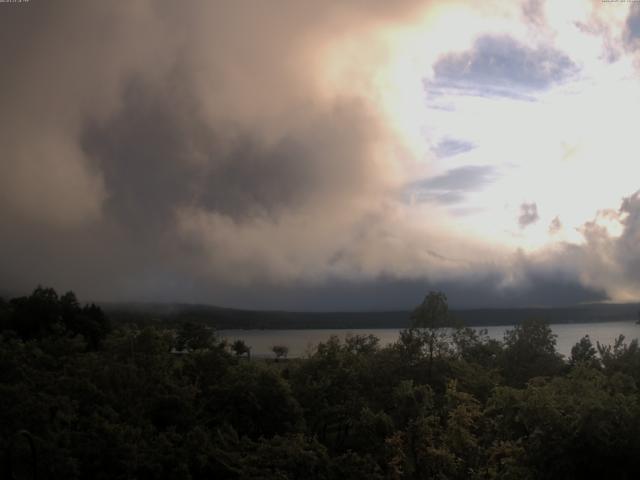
{"x": 143, "y": 152}
{"x": 450, "y": 147}
{"x": 545, "y": 286}
{"x": 528, "y": 214}
{"x": 502, "y": 66}
{"x": 480, "y": 290}
{"x": 157, "y": 154}
{"x": 452, "y": 186}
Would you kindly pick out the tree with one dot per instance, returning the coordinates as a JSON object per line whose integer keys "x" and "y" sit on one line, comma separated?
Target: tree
{"x": 584, "y": 353}
{"x": 428, "y": 321}
{"x": 477, "y": 360}
{"x": 93, "y": 324}
{"x": 432, "y": 313}
{"x": 194, "y": 336}
{"x": 5, "y": 315}
{"x": 361, "y": 344}
{"x": 240, "y": 348}
{"x": 579, "y": 425}
{"x": 43, "y": 314}
{"x": 530, "y": 351}
{"x": 37, "y": 315}
{"x": 256, "y": 401}
{"x": 281, "y": 351}
{"x": 623, "y": 357}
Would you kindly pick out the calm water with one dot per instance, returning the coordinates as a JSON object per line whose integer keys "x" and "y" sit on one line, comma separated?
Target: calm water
{"x": 302, "y": 342}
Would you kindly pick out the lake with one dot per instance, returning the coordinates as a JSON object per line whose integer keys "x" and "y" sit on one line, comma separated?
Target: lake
{"x": 302, "y": 342}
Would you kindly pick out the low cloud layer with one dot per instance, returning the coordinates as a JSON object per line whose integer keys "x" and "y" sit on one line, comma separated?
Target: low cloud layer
{"x": 240, "y": 154}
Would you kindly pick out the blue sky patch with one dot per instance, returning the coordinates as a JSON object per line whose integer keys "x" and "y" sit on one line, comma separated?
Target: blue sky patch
{"x": 452, "y": 186}
{"x": 502, "y": 66}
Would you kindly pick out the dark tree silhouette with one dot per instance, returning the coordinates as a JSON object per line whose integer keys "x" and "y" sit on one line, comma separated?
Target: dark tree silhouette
{"x": 281, "y": 351}
{"x": 428, "y": 321}
{"x": 240, "y": 348}
{"x": 43, "y": 313}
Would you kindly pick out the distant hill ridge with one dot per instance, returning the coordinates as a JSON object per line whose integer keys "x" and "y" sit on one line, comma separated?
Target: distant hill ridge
{"x": 230, "y": 318}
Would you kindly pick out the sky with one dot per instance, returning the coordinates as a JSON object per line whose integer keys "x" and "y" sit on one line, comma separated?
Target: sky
{"x": 334, "y": 155}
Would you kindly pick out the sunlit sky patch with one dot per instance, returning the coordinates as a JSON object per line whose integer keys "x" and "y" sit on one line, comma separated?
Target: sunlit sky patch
{"x": 538, "y": 103}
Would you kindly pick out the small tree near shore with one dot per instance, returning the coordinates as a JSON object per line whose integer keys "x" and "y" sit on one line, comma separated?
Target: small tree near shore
{"x": 240, "y": 348}
{"x": 281, "y": 351}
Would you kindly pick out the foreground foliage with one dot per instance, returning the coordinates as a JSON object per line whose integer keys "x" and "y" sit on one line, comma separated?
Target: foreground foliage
{"x": 150, "y": 403}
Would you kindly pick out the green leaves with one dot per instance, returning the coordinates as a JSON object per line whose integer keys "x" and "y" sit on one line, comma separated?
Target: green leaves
{"x": 153, "y": 402}
{"x": 44, "y": 314}
{"x": 433, "y": 312}
{"x": 530, "y": 352}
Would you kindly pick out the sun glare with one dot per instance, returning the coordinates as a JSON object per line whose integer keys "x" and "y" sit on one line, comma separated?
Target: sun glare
{"x": 552, "y": 149}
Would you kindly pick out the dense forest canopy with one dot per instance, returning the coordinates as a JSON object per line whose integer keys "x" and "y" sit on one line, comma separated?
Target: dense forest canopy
{"x": 81, "y": 398}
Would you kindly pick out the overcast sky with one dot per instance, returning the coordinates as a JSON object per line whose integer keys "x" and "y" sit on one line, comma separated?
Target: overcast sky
{"x": 347, "y": 154}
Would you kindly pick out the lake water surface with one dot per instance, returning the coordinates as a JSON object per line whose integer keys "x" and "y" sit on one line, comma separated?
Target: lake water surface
{"x": 303, "y": 342}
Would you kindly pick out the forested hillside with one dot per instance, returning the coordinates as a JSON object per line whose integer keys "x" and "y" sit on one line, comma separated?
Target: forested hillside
{"x": 229, "y": 318}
